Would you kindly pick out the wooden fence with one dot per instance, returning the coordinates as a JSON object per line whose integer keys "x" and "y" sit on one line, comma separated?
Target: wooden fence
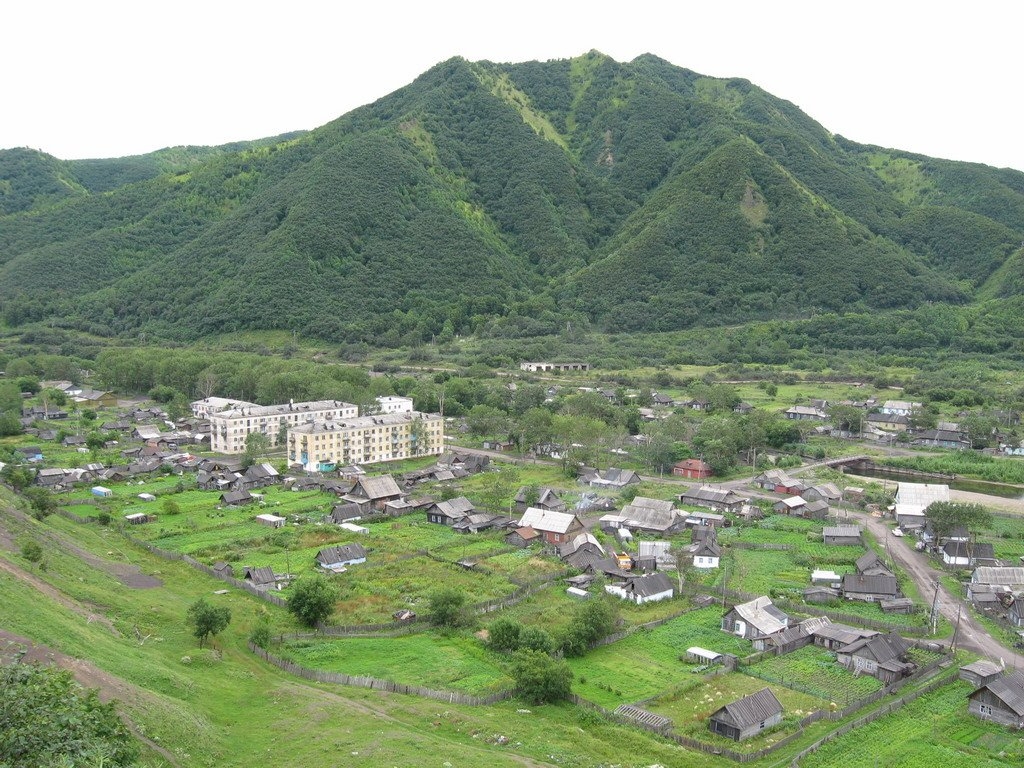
{"x": 365, "y": 681}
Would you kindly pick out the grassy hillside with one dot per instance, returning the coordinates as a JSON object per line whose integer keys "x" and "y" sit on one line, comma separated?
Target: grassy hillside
{"x": 632, "y": 196}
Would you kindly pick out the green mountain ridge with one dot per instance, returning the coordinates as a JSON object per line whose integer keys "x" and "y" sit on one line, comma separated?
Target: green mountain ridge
{"x": 510, "y": 198}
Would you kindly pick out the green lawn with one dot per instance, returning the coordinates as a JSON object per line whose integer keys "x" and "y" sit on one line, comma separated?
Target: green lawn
{"x": 453, "y": 662}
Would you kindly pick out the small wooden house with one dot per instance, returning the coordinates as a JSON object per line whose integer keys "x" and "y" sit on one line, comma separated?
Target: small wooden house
{"x": 695, "y": 469}
{"x": 747, "y": 717}
{"x": 338, "y": 558}
{"x": 871, "y": 589}
{"x": 882, "y": 656}
{"x": 980, "y": 673}
{"x": 1001, "y": 700}
{"x": 842, "y": 535}
{"x": 523, "y": 537}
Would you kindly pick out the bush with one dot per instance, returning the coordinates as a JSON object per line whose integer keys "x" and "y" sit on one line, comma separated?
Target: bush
{"x": 448, "y": 609}
{"x": 312, "y": 600}
{"x": 540, "y": 678}
{"x": 504, "y": 635}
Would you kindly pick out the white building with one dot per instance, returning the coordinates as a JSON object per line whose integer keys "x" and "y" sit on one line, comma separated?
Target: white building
{"x": 394, "y": 404}
{"x": 900, "y": 407}
{"x": 323, "y": 445}
{"x": 203, "y": 408}
{"x": 229, "y": 428}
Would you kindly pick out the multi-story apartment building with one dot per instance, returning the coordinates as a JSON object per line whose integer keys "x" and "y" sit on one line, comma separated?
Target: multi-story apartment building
{"x": 323, "y": 445}
{"x": 229, "y": 428}
{"x": 203, "y": 408}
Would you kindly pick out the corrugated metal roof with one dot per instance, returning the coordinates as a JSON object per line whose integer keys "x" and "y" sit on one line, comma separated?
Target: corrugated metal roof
{"x": 755, "y": 708}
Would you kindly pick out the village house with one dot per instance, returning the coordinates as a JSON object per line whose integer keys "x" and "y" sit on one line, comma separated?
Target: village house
{"x": 547, "y": 498}
{"x": 336, "y": 559}
{"x": 694, "y": 469}
{"x": 981, "y": 672}
{"x": 449, "y": 512}
{"x": 857, "y": 586}
{"x": 705, "y": 550}
{"x": 717, "y": 499}
{"x": 236, "y": 498}
{"x": 965, "y": 554}
{"x": 792, "y": 637}
{"x": 374, "y": 492}
{"x": 649, "y": 588}
{"x": 988, "y": 578}
{"x": 881, "y": 656}
{"x": 794, "y": 506}
{"x": 262, "y": 577}
{"x": 900, "y": 407}
{"x": 555, "y": 527}
{"x": 842, "y": 535}
{"x": 582, "y": 551}
{"x": 835, "y": 636}
{"x": 522, "y": 537}
{"x": 942, "y": 438}
{"x": 1000, "y": 700}
{"x": 870, "y": 564}
{"x": 888, "y": 422}
{"x": 805, "y": 413}
{"x": 747, "y": 717}
{"x": 610, "y": 478}
{"x": 912, "y": 499}
{"x": 651, "y": 515}
{"x": 477, "y": 522}
{"x": 756, "y": 618}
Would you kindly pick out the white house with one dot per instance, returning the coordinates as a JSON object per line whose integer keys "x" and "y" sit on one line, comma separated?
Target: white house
{"x": 643, "y": 589}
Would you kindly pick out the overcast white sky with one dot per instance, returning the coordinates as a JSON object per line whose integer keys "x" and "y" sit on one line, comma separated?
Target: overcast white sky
{"x": 108, "y": 78}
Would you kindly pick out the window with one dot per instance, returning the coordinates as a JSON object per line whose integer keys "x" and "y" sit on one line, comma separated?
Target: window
{"x": 985, "y": 709}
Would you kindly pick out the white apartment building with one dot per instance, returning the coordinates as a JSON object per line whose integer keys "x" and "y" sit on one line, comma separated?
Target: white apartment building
{"x": 229, "y": 428}
{"x": 203, "y": 408}
{"x": 394, "y": 404}
{"x": 323, "y": 445}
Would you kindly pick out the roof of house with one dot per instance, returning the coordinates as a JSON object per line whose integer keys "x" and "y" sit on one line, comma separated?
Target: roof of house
{"x": 1009, "y": 689}
{"x": 876, "y": 584}
{"x": 526, "y": 533}
{"x": 581, "y": 540}
{"x": 841, "y": 531}
{"x": 816, "y": 506}
{"x": 793, "y": 502}
{"x": 750, "y": 710}
{"x": 653, "y": 514}
{"x": 649, "y": 585}
{"x": 761, "y": 614}
{"x": 921, "y": 494}
{"x": 709, "y": 493}
{"x": 694, "y": 464}
{"x": 381, "y": 487}
{"x": 982, "y": 667}
{"x": 458, "y": 507}
{"x": 263, "y": 574}
{"x": 706, "y": 547}
{"x": 843, "y": 633}
{"x": 341, "y": 554}
{"x": 547, "y": 520}
{"x": 966, "y": 550}
{"x": 1010, "y": 575}
{"x": 881, "y": 648}
{"x": 870, "y": 559}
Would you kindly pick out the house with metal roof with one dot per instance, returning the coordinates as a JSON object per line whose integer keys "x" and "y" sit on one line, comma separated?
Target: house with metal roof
{"x": 556, "y": 527}
{"x": 758, "y": 617}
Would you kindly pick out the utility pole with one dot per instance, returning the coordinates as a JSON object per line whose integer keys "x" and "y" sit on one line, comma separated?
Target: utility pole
{"x": 956, "y": 629}
{"x": 935, "y": 610}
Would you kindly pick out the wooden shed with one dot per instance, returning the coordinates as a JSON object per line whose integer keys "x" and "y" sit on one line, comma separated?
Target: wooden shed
{"x": 747, "y": 717}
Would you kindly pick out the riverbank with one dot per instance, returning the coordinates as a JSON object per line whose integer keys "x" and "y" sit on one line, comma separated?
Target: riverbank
{"x": 995, "y": 503}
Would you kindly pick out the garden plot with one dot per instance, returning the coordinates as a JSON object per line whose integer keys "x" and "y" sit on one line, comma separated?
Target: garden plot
{"x": 932, "y": 730}
{"x": 451, "y": 663}
{"x": 690, "y": 705}
{"x": 814, "y": 671}
{"x": 647, "y": 662}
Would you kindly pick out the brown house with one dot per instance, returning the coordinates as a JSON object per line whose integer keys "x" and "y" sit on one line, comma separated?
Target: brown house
{"x": 555, "y": 527}
{"x": 695, "y": 469}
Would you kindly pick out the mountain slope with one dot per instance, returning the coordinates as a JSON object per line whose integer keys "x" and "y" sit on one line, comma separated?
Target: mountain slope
{"x": 641, "y": 195}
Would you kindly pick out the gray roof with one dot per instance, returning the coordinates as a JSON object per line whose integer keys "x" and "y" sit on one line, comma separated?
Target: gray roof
{"x": 881, "y": 648}
{"x": 1011, "y": 576}
{"x": 652, "y": 514}
{"x": 879, "y": 584}
{"x": 651, "y": 584}
{"x": 1009, "y": 689}
{"x": 708, "y": 493}
{"x": 841, "y": 531}
{"x": 752, "y": 709}
{"x": 762, "y": 615}
{"x": 547, "y": 520}
{"x": 379, "y": 487}
{"x": 843, "y": 633}
{"x": 259, "y": 575}
{"x": 341, "y": 554}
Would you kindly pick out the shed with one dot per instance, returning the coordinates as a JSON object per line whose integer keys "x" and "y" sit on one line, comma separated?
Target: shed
{"x": 99, "y": 490}
{"x": 274, "y": 521}
{"x": 980, "y": 673}
{"x": 578, "y": 593}
{"x": 842, "y": 535}
{"x": 747, "y": 716}
{"x": 337, "y": 558}
{"x": 147, "y": 497}
{"x": 353, "y": 528}
{"x": 137, "y": 519}
{"x": 703, "y": 655}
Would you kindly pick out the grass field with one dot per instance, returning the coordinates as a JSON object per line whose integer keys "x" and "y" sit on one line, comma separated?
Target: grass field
{"x": 648, "y": 662}
{"x": 934, "y": 730}
{"x": 453, "y": 662}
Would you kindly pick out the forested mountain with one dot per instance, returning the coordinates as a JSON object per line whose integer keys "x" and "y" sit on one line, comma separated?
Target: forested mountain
{"x": 508, "y": 200}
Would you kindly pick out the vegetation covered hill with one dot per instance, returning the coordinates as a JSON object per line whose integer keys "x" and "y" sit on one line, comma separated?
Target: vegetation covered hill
{"x": 509, "y": 200}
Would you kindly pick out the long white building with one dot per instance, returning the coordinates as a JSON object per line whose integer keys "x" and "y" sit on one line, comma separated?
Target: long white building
{"x": 229, "y": 428}
{"x": 325, "y": 444}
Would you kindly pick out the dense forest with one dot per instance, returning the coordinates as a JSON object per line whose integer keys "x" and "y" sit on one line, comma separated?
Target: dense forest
{"x": 515, "y": 201}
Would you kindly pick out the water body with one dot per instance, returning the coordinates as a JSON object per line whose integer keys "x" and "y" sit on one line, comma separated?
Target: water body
{"x": 1003, "y": 490}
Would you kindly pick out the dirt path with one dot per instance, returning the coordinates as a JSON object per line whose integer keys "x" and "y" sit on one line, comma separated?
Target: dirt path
{"x": 109, "y": 686}
{"x": 972, "y": 635}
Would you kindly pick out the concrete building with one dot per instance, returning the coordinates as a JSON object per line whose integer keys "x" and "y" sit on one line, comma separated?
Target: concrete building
{"x": 394, "y": 404}
{"x": 229, "y": 428}
{"x": 323, "y": 445}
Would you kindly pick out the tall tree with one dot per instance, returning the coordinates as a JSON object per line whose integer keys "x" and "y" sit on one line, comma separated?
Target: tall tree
{"x": 206, "y": 620}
